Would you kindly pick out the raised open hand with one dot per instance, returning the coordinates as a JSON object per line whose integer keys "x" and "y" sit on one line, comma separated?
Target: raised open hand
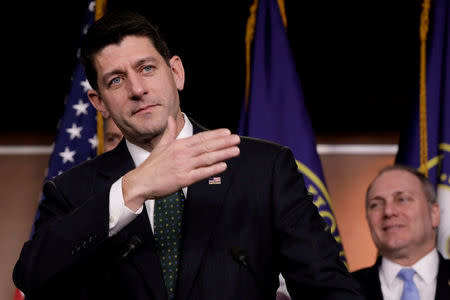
{"x": 174, "y": 164}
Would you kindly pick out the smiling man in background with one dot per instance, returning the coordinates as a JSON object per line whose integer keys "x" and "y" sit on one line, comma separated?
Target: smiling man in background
{"x": 403, "y": 215}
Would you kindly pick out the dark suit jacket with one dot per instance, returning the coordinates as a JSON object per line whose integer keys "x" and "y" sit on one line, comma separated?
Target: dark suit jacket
{"x": 261, "y": 207}
{"x": 371, "y": 288}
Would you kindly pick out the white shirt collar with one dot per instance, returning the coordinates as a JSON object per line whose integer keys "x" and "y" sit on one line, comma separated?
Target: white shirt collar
{"x": 139, "y": 154}
{"x": 427, "y": 268}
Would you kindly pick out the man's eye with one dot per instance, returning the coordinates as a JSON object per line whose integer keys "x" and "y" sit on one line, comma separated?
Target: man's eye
{"x": 147, "y": 69}
{"x": 115, "y": 81}
{"x": 402, "y": 199}
{"x": 373, "y": 205}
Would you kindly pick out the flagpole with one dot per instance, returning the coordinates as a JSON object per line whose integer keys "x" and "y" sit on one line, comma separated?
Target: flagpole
{"x": 100, "y": 9}
{"x": 424, "y": 23}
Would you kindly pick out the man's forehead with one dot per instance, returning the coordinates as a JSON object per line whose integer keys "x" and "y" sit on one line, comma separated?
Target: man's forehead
{"x": 130, "y": 48}
{"x": 395, "y": 182}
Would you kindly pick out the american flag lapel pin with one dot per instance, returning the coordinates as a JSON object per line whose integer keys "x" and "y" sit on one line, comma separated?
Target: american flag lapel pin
{"x": 215, "y": 180}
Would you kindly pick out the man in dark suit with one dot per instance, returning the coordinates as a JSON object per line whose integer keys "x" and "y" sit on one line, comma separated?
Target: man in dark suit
{"x": 174, "y": 211}
{"x": 403, "y": 215}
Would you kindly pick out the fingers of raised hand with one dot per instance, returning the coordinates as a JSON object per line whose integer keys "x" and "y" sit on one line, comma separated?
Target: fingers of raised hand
{"x": 212, "y": 157}
{"x": 180, "y": 163}
{"x": 202, "y": 137}
{"x": 201, "y": 144}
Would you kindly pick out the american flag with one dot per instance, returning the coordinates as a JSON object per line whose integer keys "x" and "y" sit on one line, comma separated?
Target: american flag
{"x": 76, "y": 139}
{"x": 214, "y": 180}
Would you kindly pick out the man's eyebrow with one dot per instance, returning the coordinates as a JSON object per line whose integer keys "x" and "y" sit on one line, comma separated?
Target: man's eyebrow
{"x": 111, "y": 73}
{"x": 149, "y": 59}
{"x": 376, "y": 198}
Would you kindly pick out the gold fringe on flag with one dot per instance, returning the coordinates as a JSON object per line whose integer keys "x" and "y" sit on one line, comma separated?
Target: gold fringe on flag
{"x": 424, "y": 22}
{"x": 282, "y": 12}
{"x": 100, "y": 9}
{"x": 249, "y": 37}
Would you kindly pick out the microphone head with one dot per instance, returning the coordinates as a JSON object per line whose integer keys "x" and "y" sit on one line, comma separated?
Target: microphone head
{"x": 238, "y": 254}
{"x": 136, "y": 240}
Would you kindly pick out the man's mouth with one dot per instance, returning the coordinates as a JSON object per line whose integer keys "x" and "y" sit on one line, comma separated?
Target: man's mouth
{"x": 392, "y": 227}
{"x": 145, "y": 109}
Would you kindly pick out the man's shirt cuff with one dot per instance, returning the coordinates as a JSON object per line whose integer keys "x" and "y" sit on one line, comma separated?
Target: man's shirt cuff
{"x": 119, "y": 214}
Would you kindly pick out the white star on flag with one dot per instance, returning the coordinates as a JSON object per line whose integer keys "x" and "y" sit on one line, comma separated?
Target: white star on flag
{"x": 86, "y": 86}
{"x": 81, "y": 107}
{"x": 85, "y": 29}
{"x": 93, "y": 141}
{"x": 67, "y": 155}
{"x": 91, "y": 6}
{"x": 75, "y": 132}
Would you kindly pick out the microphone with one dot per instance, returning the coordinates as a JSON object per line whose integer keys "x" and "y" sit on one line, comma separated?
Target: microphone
{"x": 241, "y": 258}
{"x": 134, "y": 242}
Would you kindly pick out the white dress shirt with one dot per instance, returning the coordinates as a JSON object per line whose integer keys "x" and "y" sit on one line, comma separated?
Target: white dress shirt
{"x": 119, "y": 214}
{"x": 425, "y": 278}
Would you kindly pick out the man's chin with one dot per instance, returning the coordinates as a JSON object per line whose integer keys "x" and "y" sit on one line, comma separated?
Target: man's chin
{"x": 393, "y": 247}
{"x": 150, "y": 134}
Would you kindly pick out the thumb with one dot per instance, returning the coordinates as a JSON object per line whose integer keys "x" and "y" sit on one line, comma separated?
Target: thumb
{"x": 170, "y": 134}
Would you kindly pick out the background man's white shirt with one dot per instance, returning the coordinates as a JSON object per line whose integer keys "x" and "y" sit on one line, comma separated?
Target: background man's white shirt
{"x": 425, "y": 278}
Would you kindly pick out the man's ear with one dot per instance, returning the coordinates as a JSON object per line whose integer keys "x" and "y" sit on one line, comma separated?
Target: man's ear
{"x": 178, "y": 71}
{"x": 435, "y": 214}
{"x": 98, "y": 103}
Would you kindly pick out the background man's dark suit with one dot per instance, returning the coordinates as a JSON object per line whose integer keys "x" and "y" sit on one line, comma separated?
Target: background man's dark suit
{"x": 371, "y": 288}
{"x": 261, "y": 207}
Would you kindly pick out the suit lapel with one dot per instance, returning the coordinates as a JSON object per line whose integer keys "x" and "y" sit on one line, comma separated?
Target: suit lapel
{"x": 201, "y": 212}
{"x": 372, "y": 283}
{"x": 443, "y": 280}
{"x": 146, "y": 260}
{"x": 114, "y": 165}
{"x": 375, "y": 288}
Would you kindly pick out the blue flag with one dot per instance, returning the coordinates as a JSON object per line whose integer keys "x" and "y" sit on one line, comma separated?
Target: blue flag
{"x": 276, "y": 110}
{"x": 437, "y": 125}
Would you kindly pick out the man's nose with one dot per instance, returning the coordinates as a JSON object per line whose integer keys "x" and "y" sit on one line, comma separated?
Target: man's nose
{"x": 390, "y": 209}
{"x": 136, "y": 87}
